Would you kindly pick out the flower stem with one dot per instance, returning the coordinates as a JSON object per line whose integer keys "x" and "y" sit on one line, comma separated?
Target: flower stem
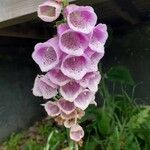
{"x": 70, "y": 142}
{"x": 65, "y": 3}
{"x": 48, "y": 141}
{"x": 76, "y": 146}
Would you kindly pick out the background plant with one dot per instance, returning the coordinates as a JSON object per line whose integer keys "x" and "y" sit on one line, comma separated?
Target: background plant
{"x": 118, "y": 123}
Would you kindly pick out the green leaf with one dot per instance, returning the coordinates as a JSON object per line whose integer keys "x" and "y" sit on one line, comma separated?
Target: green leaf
{"x": 131, "y": 142}
{"x": 104, "y": 122}
{"x": 114, "y": 140}
{"x": 32, "y": 145}
{"x": 120, "y": 74}
{"x": 90, "y": 144}
{"x": 13, "y": 141}
{"x": 140, "y": 119}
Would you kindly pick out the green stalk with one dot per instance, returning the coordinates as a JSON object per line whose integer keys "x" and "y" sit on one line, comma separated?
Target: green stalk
{"x": 65, "y": 3}
{"x": 76, "y": 146}
{"x": 48, "y": 141}
{"x": 70, "y": 142}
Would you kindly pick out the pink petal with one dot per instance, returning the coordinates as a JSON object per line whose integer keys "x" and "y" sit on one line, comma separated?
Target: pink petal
{"x": 76, "y": 133}
{"x": 47, "y": 91}
{"x": 62, "y": 28}
{"x": 81, "y": 18}
{"x": 88, "y": 52}
{"x": 73, "y": 43}
{"x": 58, "y": 77}
{"x": 45, "y": 78}
{"x": 75, "y": 66}
{"x": 69, "y": 9}
{"x": 70, "y": 91}
{"x": 99, "y": 38}
{"x": 70, "y": 122}
{"x": 36, "y": 90}
{"x": 84, "y": 99}
{"x": 91, "y": 81}
{"x": 49, "y": 10}
{"x": 94, "y": 102}
{"x": 66, "y": 106}
{"x": 72, "y": 7}
{"x": 41, "y": 88}
{"x": 47, "y": 54}
{"x": 94, "y": 60}
{"x": 68, "y": 116}
{"x": 52, "y": 109}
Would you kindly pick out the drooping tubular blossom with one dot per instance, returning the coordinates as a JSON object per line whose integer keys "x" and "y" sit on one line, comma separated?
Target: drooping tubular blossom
{"x": 45, "y": 78}
{"x": 70, "y": 61}
{"x": 68, "y": 123}
{"x": 73, "y": 43}
{"x": 81, "y": 18}
{"x": 99, "y": 37}
{"x": 52, "y": 109}
{"x": 91, "y": 81}
{"x": 58, "y": 77}
{"x": 75, "y": 67}
{"x": 68, "y": 116}
{"x": 36, "y": 89}
{"x": 76, "y": 133}
{"x": 94, "y": 58}
{"x": 66, "y": 106}
{"x": 49, "y": 11}
{"x": 84, "y": 99}
{"x": 70, "y": 91}
{"x": 47, "y": 54}
{"x": 43, "y": 88}
{"x": 47, "y": 91}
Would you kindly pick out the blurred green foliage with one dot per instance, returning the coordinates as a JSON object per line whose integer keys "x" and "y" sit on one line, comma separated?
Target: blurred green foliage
{"x": 119, "y": 124}
{"x": 13, "y": 141}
